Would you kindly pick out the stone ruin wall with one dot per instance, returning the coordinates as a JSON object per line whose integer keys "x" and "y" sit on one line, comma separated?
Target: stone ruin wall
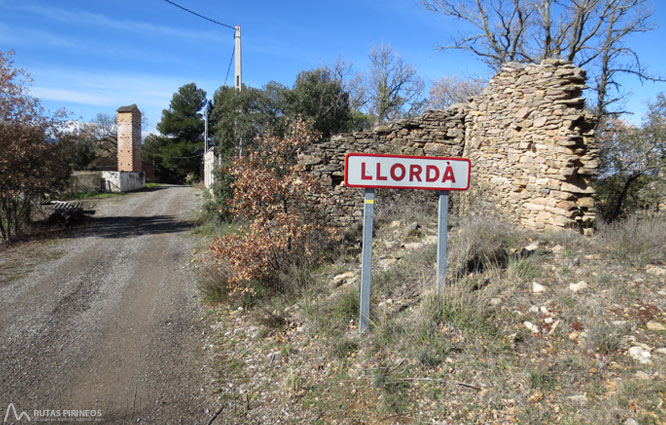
{"x": 532, "y": 145}
{"x": 528, "y": 137}
{"x": 435, "y": 133}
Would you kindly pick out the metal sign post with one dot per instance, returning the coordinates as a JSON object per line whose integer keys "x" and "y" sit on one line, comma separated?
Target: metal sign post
{"x": 372, "y": 171}
{"x": 366, "y": 263}
{"x": 442, "y": 232}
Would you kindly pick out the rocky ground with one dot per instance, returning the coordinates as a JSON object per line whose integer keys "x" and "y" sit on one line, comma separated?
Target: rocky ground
{"x": 533, "y": 328}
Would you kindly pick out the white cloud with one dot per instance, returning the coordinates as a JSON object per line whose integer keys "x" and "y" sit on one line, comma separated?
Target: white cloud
{"x": 22, "y": 37}
{"x": 84, "y": 93}
{"x": 97, "y": 20}
{"x": 74, "y": 96}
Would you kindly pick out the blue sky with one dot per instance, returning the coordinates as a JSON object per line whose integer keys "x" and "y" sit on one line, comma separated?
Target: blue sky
{"x": 93, "y": 56}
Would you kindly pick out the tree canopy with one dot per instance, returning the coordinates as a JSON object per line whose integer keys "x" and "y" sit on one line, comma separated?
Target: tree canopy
{"x": 446, "y": 91}
{"x": 319, "y": 97}
{"x": 183, "y": 120}
{"x": 93, "y": 144}
{"x": 238, "y": 117}
{"x": 176, "y": 153}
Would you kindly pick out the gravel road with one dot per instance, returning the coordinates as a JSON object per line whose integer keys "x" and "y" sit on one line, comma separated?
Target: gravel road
{"x": 113, "y": 327}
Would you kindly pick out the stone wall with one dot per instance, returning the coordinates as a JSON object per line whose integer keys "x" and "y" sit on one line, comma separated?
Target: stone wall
{"x": 527, "y": 135}
{"x": 532, "y": 145}
{"x": 123, "y": 181}
{"x": 85, "y": 181}
{"x": 435, "y": 133}
{"x": 211, "y": 162}
{"x": 106, "y": 181}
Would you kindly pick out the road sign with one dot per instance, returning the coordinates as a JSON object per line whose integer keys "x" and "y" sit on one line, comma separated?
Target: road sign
{"x": 372, "y": 171}
{"x": 406, "y": 172}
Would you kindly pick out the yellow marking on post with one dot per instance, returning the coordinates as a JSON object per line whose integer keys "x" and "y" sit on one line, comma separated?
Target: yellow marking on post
{"x": 369, "y": 201}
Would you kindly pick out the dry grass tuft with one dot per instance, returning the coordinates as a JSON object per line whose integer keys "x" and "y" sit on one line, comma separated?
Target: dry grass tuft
{"x": 636, "y": 240}
{"x": 480, "y": 243}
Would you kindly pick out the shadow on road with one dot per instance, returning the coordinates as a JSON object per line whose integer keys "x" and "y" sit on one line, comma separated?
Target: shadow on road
{"x": 123, "y": 226}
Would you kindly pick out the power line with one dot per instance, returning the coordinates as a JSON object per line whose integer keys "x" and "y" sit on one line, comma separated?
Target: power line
{"x": 233, "y": 50}
{"x": 154, "y": 154}
{"x": 187, "y": 157}
{"x": 199, "y": 15}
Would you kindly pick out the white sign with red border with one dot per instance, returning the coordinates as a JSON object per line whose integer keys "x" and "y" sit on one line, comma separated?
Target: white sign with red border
{"x": 406, "y": 172}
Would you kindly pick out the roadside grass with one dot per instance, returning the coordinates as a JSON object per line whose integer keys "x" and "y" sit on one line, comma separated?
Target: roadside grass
{"x": 465, "y": 354}
{"x": 209, "y": 229}
{"x": 70, "y": 196}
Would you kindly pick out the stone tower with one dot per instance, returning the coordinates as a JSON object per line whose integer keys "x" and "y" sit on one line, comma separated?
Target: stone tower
{"x": 129, "y": 138}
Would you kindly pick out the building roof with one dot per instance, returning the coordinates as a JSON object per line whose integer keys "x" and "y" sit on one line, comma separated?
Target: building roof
{"x": 130, "y": 108}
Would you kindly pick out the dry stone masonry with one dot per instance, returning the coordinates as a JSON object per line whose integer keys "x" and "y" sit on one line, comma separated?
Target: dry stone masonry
{"x": 532, "y": 144}
{"x": 528, "y": 136}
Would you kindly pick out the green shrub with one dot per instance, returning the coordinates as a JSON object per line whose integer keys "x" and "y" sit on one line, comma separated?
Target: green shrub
{"x": 388, "y": 330}
{"x": 524, "y": 269}
{"x": 542, "y": 379}
{"x": 347, "y": 306}
{"x": 213, "y": 284}
{"x": 344, "y": 346}
{"x": 392, "y": 390}
{"x": 271, "y": 319}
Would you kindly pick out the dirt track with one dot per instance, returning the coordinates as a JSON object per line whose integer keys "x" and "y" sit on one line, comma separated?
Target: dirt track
{"x": 113, "y": 325}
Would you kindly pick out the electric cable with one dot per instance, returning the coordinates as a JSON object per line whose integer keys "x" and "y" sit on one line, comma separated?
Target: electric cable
{"x": 187, "y": 157}
{"x": 233, "y": 51}
{"x": 199, "y": 15}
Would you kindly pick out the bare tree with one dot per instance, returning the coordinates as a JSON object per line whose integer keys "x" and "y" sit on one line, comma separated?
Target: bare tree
{"x": 500, "y": 28}
{"x": 446, "y": 91}
{"x": 589, "y": 33}
{"x": 634, "y": 158}
{"x": 392, "y": 85}
{"x": 353, "y": 83}
{"x": 103, "y": 132}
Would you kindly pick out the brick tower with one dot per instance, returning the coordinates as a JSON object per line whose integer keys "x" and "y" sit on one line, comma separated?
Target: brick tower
{"x": 129, "y": 138}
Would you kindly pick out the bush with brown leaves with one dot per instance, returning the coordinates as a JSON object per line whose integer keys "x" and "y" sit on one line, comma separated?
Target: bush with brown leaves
{"x": 279, "y": 224}
{"x": 32, "y": 158}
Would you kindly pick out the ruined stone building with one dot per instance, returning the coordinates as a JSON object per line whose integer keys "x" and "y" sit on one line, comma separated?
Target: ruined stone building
{"x": 528, "y": 136}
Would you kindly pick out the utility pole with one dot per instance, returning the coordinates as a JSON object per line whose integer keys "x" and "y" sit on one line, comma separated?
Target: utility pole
{"x": 206, "y": 128}
{"x": 238, "y": 78}
{"x": 238, "y": 74}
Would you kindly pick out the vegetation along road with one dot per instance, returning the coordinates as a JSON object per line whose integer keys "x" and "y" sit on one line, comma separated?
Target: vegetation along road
{"x": 112, "y": 329}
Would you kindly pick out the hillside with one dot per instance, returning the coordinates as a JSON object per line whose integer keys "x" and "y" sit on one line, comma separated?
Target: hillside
{"x": 532, "y": 328}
